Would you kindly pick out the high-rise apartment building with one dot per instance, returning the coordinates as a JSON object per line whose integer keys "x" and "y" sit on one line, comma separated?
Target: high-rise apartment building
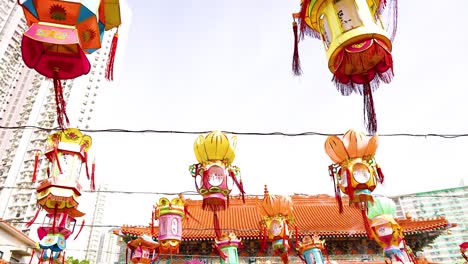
{"x": 453, "y": 205}
{"x": 27, "y": 98}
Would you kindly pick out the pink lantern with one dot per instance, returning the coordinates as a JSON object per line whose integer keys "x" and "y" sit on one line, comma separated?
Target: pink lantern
{"x": 170, "y": 214}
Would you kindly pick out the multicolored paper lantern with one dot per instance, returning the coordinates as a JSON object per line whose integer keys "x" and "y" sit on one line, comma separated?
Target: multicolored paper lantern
{"x": 310, "y": 250}
{"x": 355, "y": 171}
{"x": 357, "y": 44}
{"x": 53, "y": 235}
{"x": 214, "y": 174}
{"x": 227, "y": 247}
{"x": 66, "y": 152}
{"x": 109, "y": 15}
{"x": 60, "y": 33}
{"x": 170, "y": 215}
{"x": 277, "y": 216}
{"x": 387, "y": 232}
{"x": 142, "y": 250}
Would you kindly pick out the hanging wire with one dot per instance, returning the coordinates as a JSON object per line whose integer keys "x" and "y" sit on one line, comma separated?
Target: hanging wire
{"x": 278, "y": 133}
{"x": 190, "y": 193}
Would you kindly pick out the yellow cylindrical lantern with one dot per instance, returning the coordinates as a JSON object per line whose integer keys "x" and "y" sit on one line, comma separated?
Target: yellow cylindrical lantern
{"x": 345, "y": 22}
{"x": 357, "y": 45}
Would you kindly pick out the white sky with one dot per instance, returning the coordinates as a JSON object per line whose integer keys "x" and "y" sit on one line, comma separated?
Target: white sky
{"x": 225, "y": 65}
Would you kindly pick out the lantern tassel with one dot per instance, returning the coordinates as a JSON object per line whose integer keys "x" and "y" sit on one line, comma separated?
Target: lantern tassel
{"x": 217, "y": 227}
{"x": 56, "y": 157}
{"x": 36, "y": 163}
{"x": 81, "y": 228}
{"x": 366, "y": 222}
{"x": 62, "y": 118}
{"x": 302, "y": 16}
{"x": 349, "y": 188}
{"x": 380, "y": 174}
{"x": 63, "y": 257}
{"x": 110, "y": 61}
{"x": 337, "y": 190}
{"x": 32, "y": 255}
{"x": 296, "y": 62}
{"x": 239, "y": 185}
{"x": 370, "y": 118}
{"x": 55, "y": 218}
{"x": 152, "y": 222}
{"x": 86, "y": 164}
{"x": 220, "y": 252}
{"x": 93, "y": 169}
{"x": 28, "y": 224}
{"x": 284, "y": 257}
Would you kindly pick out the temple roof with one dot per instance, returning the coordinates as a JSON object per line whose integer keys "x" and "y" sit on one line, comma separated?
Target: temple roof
{"x": 312, "y": 214}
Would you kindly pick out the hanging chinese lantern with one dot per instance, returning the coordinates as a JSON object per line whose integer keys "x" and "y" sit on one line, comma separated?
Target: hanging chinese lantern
{"x": 66, "y": 151}
{"x": 142, "y": 249}
{"x": 277, "y": 216}
{"x": 387, "y": 232}
{"x": 170, "y": 215}
{"x": 109, "y": 15}
{"x": 60, "y": 33}
{"x": 227, "y": 247}
{"x": 310, "y": 249}
{"x": 357, "y": 44}
{"x": 354, "y": 171}
{"x": 58, "y": 194}
{"x": 214, "y": 174}
{"x": 53, "y": 235}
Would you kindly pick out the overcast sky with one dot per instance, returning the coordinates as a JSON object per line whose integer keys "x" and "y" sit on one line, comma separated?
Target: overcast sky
{"x": 225, "y": 65}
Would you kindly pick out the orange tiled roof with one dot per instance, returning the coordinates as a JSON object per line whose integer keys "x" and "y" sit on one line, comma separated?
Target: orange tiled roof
{"x": 313, "y": 215}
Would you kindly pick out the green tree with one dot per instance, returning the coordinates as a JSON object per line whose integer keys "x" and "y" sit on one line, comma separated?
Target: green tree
{"x": 71, "y": 260}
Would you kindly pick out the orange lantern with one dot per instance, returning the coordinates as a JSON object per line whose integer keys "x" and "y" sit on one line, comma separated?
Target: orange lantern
{"x": 355, "y": 171}
{"x": 277, "y": 217}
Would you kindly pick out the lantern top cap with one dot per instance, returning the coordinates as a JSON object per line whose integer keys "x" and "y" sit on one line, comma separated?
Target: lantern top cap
{"x": 174, "y": 206}
{"x": 275, "y": 205}
{"x": 72, "y": 136}
{"x": 351, "y": 146}
{"x": 215, "y": 147}
{"x": 143, "y": 241}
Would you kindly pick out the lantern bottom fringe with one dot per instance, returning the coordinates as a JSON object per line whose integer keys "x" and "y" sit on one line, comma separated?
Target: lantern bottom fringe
{"x": 62, "y": 118}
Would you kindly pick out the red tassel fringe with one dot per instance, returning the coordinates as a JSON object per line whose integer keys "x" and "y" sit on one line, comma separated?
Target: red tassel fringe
{"x": 337, "y": 189}
{"x": 81, "y": 228}
{"x": 36, "y": 163}
{"x": 239, "y": 185}
{"x": 93, "y": 169}
{"x": 366, "y": 222}
{"x": 152, "y": 223}
{"x": 349, "y": 189}
{"x": 111, "y": 59}
{"x": 86, "y": 164}
{"x": 370, "y": 118}
{"x": 380, "y": 174}
{"x": 62, "y": 118}
{"x": 32, "y": 255}
{"x": 302, "y": 15}
{"x": 56, "y": 157}
{"x": 296, "y": 62}
{"x": 28, "y": 224}
{"x": 217, "y": 226}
